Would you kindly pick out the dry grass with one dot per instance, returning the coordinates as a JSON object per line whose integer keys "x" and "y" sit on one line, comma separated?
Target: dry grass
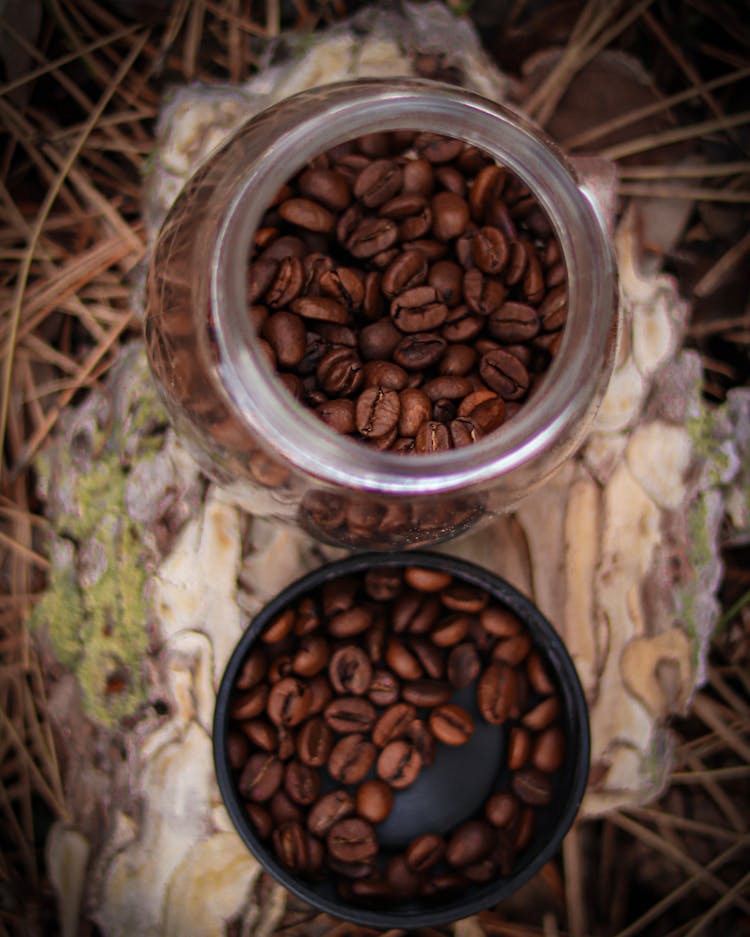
{"x": 78, "y": 128}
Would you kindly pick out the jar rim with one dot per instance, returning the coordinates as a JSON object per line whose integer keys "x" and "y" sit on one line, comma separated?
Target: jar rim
{"x": 323, "y": 117}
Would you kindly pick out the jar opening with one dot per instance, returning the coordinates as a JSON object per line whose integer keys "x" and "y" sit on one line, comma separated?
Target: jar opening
{"x": 352, "y": 110}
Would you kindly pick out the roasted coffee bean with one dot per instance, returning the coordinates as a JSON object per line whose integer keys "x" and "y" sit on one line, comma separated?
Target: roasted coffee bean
{"x": 327, "y": 186}
{"x": 416, "y": 407}
{"x": 238, "y": 749}
{"x": 261, "y": 777}
{"x": 402, "y": 661}
{"x": 338, "y": 414}
{"x": 311, "y": 656}
{"x": 504, "y": 373}
{"x": 384, "y": 688}
{"x": 289, "y": 702}
{"x": 418, "y": 310}
{"x": 307, "y": 214}
{"x": 512, "y": 650}
{"x": 501, "y": 809}
{"x": 429, "y": 656}
{"x": 489, "y": 415}
{"x": 532, "y": 786}
{"x": 513, "y": 322}
{"x": 253, "y": 670}
{"x": 497, "y": 693}
{"x": 403, "y": 880}
{"x": 352, "y": 621}
{"x": 489, "y": 250}
{"x": 425, "y": 851}
{"x": 378, "y": 340}
{"x": 280, "y": 627}
{"x": 463, "y": 665}
{"x": 426, "y": 693}
{"x": 384, "y": 375}
{"x": 287, "y": 283}
{"x": 469, "y": 843}
{"x": 314, "y": 742}
{"x": 423, "y": 740}
{"x": 249, "y": 704}
{"x": 451, "y": 724}
{"x": 549, "y": 750}
{"x": 418, "y": 177}
{"x": 352, "y": 840}
{"x": 377, "y": 412}
{"x": 378, "y": 182}
{"x": 340, "y": 372}
{"x": 290, "y": 845}
{"x": 374, "y": 800}
{"x": 371, "y": 236}
{"x": 486, "y": 188}
{"x": 393, "y": 723}
{"x": 519, "y": 747}
{"x": 432, "y": 437}
{"x": 261, "y": 733}
{"x": 458, "y": 360}
{"x": 408, "y": 270}
{"x": 537, "y": 673}
{"x": 427, "y": 580}
{"x": 543, "y": 714}
{"x": 350, "y": 670}
{"x": 321, "y": 308}
{"x": 482, "y": 294}
{"x": 437, "y": 148}
{"x": 351, "y": 758}
{"x": 450, "y": 630}
{"x": 500, "y": 621}
{"x": 320, "y": 693}
{"x": 261, "y": 820}
{"x": 420, "y": 351}
{"x": 350, "y": 714}
{"x": 329, "y": 810}
{"x": 399, "y": 764}
{"x": 450, "y": 215}
{"x": 302, "y": 782}
{"x": 446, "y": 278}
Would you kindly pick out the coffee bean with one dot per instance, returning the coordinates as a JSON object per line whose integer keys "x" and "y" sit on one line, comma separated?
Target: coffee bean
{"x": 249, "y": 704}
{"x": 350, "y": 714}
{"x": 418, "y": 310}
{"x": 384, "y": 688}
{"x": 537, "y": 673}
{"x": 327, "y": 186}
{"x": 351, "y": 758}
{"x": 261, "y": 733}
{"x": 340, "y": 372}
{"x": 500, "y": 621}
{"x": 463, "y": 432}
{"x": 393, "y": 723}
{"x": 321, "y": 308}
{"x": 450, "y": 215}
{"x": 458, "y": 360}
{"x": 425, "y": 851}
{"x": 451, "y": 724}
{"x": 384, "y": 375}
{"x": 416, "y": 407}
{"x": 332, "y": 807}
{"x": 408, "y": 270}
{"x": 469, "y": 843}
{"x": 489, "y": 250}
{"x": 432, "y": 437}
{"x": 514, "y": 322}
{"x": 350, "y": 670}
{"x": 446, "y": 278}
{"x": 261, "y": 820}
{"x": 378, "y": 340}
{"x": 497, "y": 693}
{"x": 403, "y": 880}
{"x": 289, "y": 701}
{"x": 504, "y": 373}
{"x": 417, "y": 352}
{"x": 307, "y": 214}
{"x": 543, "y": 714}
{"x": 486, "y": 189}
{"x": 238, "y": 749}
{"x": 280, "y": 627}
{"x": 290, "y": 845}
{"x": 302, "y": 781}
{"x": 371, "y": 236}
{"x": 519, "y": 747}
{"x": 378, "y": 182}
{"x": 253, "y": 670}
{"x": 512, "y": 650}
{"x": 312, "y": 655}
{"x": 483, "y": 295}
{"x": 532, "y": 786}
{"x": 402, "y": 661}
{"x": 320, "y": 693}
{"x": 437, "y": 148}
{"x": 377, "y": 412}
{"x": 451, "y": 630}
{"x": 374, "y": 800}
{"x": 463, "y": 665}
{"x": 352, "y": 621}
{"x": 261, "y": 777}
{"x": 501, "y": 809}
{"x": 352, "y": 840}
{"x": 399, "y": 764}
{"x": 549, "y": 750}
{"x": 314, "y": 742}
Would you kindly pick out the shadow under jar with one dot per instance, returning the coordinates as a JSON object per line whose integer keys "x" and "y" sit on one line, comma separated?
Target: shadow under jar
{"x": 227, "y": 397}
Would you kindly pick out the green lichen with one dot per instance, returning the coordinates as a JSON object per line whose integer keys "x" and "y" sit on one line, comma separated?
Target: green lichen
{"x": 95, "y": 613}
{"x": 700, "y": 555}
{"x": 708, "y": 446}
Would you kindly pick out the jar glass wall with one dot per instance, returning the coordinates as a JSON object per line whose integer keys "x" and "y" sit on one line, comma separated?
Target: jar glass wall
{"x": 274, "y": 455}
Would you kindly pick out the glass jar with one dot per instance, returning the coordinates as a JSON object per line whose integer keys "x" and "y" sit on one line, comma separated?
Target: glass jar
{"x": 274, "y": 456}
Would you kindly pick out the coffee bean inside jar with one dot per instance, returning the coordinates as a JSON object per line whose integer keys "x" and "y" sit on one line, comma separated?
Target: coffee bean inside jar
{"x": 408, "y": 290}
{"x": 397, "y": 732}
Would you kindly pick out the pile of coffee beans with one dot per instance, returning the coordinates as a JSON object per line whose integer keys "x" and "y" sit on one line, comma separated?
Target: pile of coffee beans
{"x": 409, "y": 290}
{"x": 347, "y": 697}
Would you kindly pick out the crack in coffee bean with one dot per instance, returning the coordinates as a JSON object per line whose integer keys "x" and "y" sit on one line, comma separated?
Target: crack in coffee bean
{"x": 348, "y": 698}
{"x": 427, "y": 257}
